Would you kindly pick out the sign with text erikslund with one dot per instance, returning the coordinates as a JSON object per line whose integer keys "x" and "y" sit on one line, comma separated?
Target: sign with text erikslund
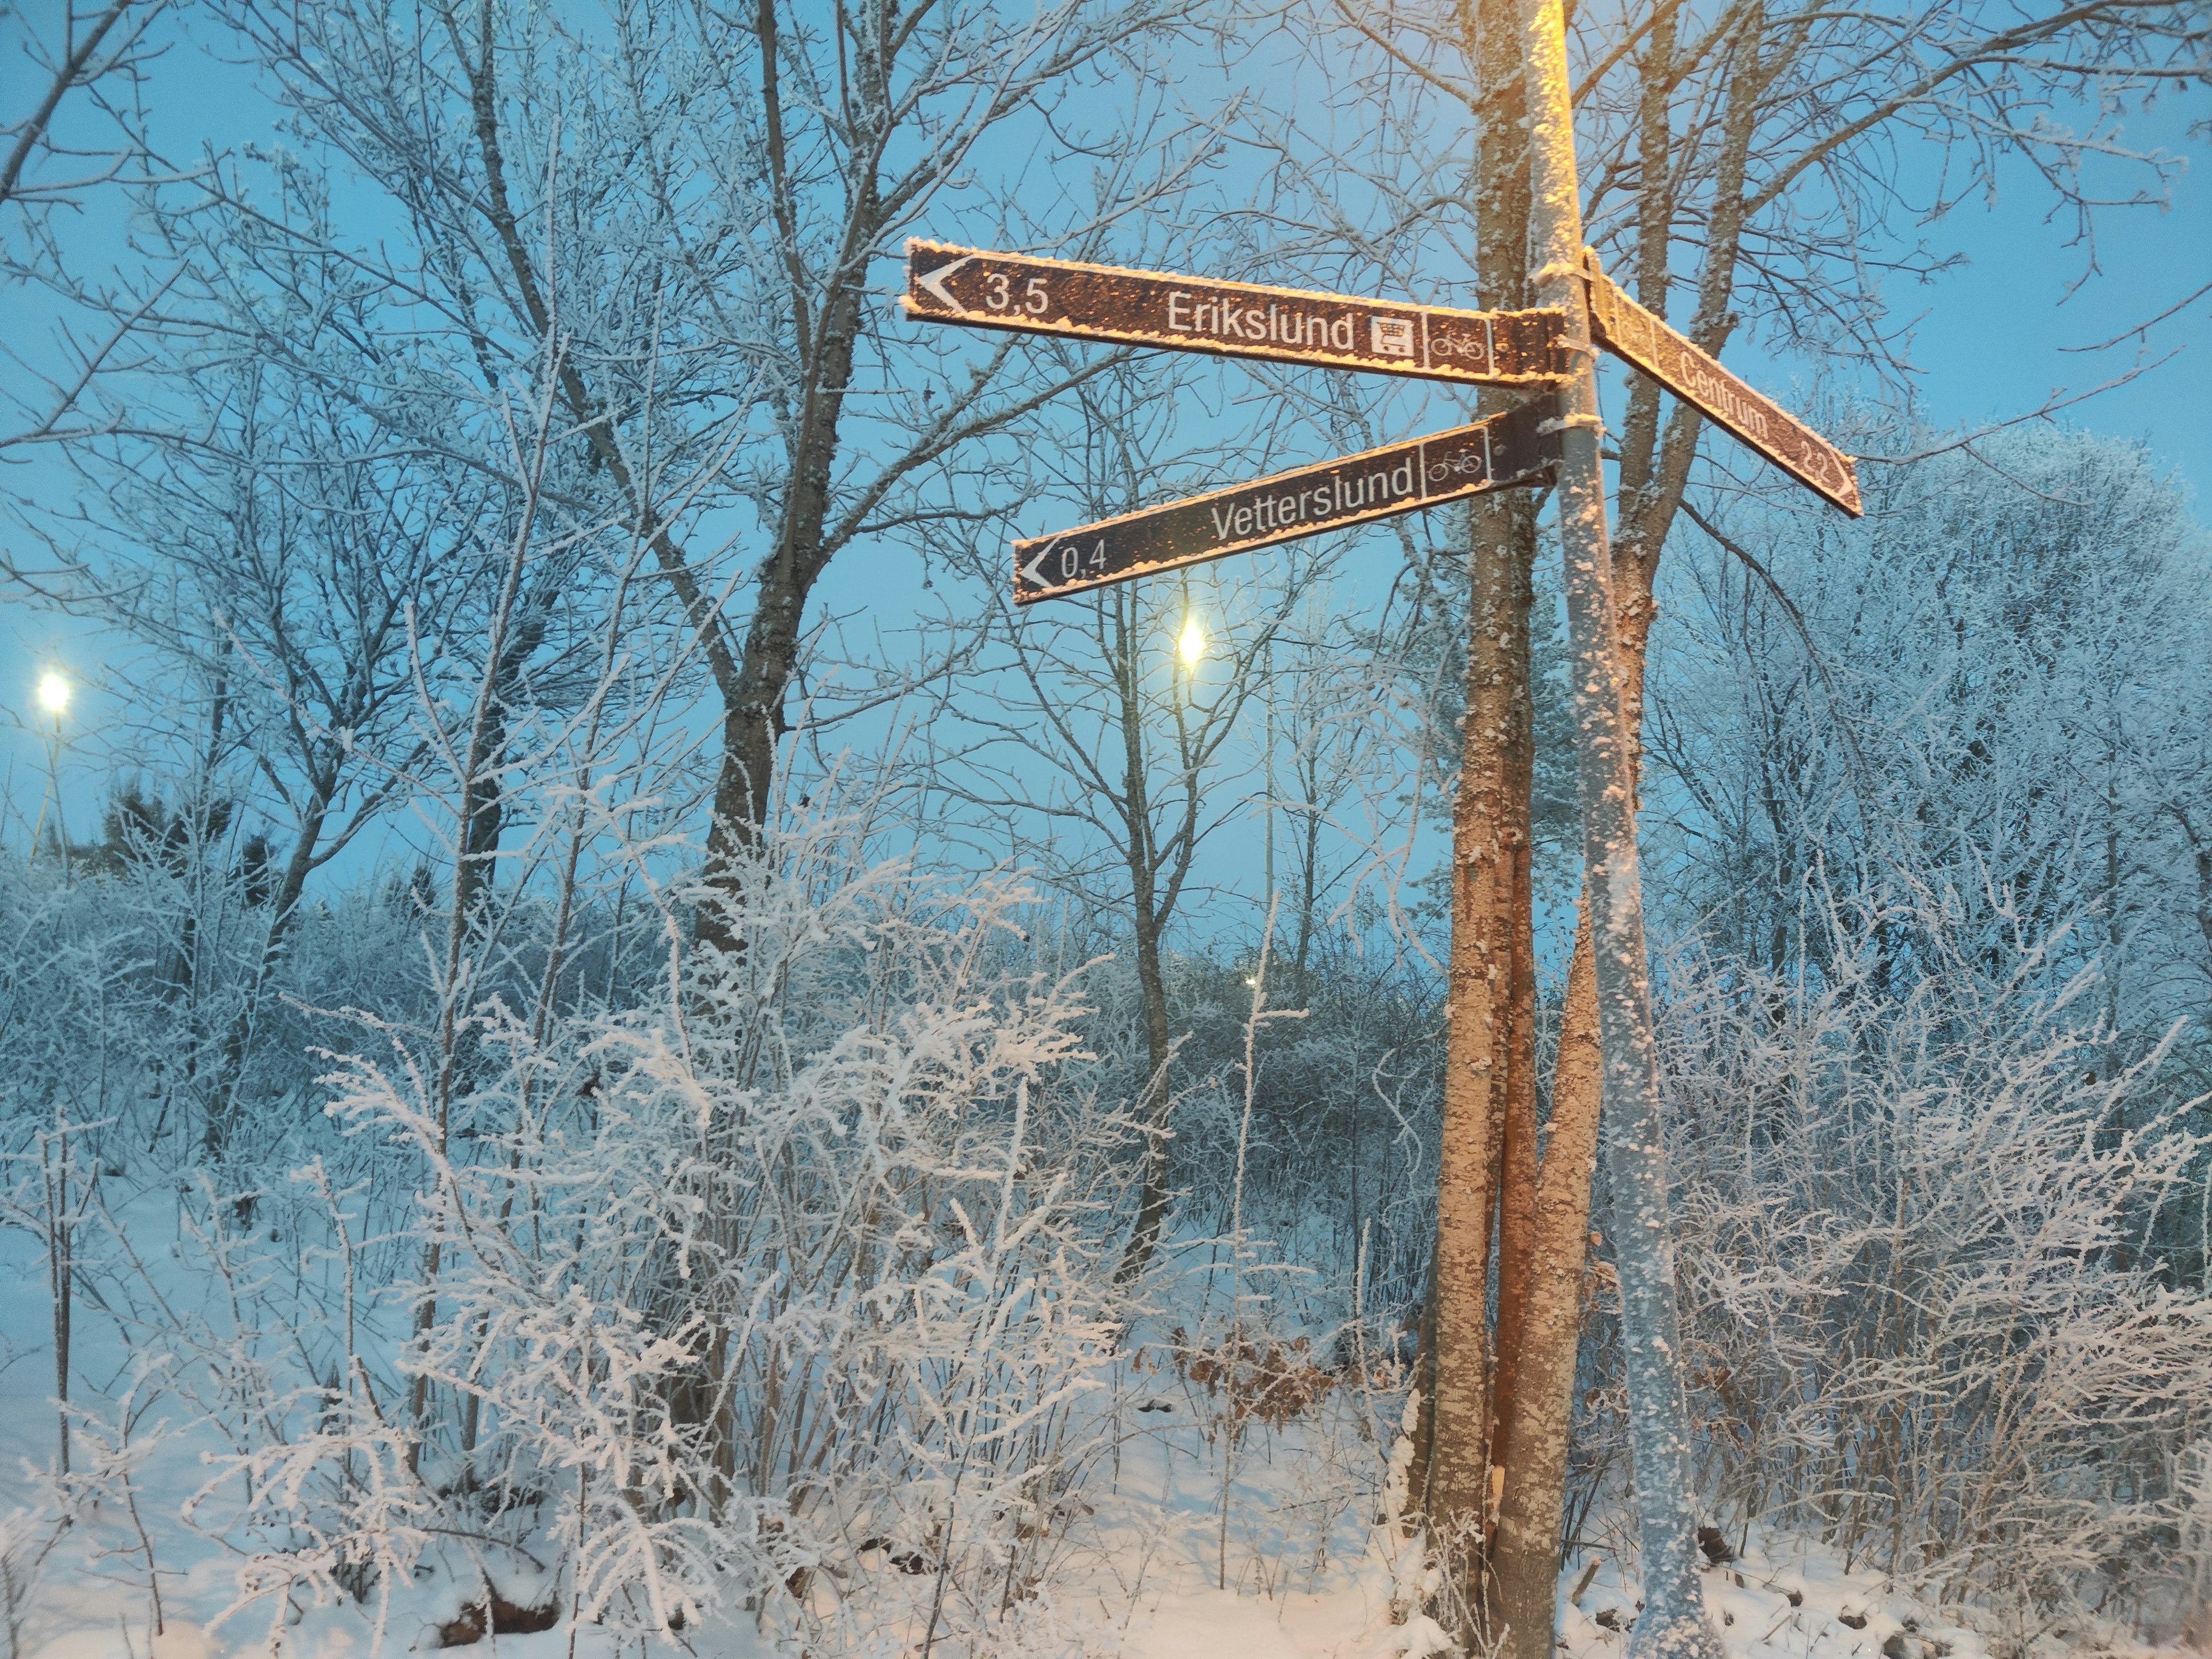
{"x": 976, "y": 288}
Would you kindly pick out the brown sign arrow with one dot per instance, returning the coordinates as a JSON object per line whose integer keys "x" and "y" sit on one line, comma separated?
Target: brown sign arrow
{"x": 1629, "y": 331}
{"x": 1497, "y": 453}
{"x": 978, "y": 288}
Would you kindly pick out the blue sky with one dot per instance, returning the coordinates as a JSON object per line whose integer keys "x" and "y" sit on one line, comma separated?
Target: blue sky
{"x": 1990, "y": 340}
{"x": 1994, "y": 337}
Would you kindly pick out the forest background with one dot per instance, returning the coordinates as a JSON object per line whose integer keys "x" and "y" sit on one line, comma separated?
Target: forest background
{"x": 465, "y": 454}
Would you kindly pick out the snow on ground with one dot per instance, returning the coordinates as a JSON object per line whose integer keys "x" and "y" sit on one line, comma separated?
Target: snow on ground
{"x": 1791, "y": 1598}
{"x": 1145, "y": 1568}
{"x": 1307, "y": 1578}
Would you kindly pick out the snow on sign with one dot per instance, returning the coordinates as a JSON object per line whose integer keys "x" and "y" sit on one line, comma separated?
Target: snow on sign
{"x": 1629, "y": 331}
{"x": 1497, "y": 453}
{"x": 978, "y": 288}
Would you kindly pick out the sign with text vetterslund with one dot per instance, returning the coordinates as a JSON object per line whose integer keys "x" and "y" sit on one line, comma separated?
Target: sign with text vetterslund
{"x": 1497, "y": 453}
{"x": 976, "y": 288}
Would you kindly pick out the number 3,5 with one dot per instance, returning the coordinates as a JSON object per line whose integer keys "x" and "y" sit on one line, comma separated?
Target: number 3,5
{"x": 1035, "y": 299}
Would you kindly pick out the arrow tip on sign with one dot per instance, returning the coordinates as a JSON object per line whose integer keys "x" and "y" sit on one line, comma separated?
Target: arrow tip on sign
{"x": 934, "y": 282}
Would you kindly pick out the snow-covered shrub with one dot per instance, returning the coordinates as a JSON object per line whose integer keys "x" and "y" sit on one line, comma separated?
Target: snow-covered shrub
{"x": 78, "y": 1034}
{"x": 1930, "y": 797}
{"x": 26, "y": 1537}
{"x": 122, "y": 999}
{"x": 1922, "y": 1318}
{"x": 778, "y": 1294}
{"x": 2194, "y": 1484}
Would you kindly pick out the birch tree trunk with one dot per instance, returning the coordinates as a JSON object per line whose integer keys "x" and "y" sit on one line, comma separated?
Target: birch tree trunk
{"x": 1535, "y": 1435}
{"x": 1673, "y": 1622}
{"x": 1506, "y": 533}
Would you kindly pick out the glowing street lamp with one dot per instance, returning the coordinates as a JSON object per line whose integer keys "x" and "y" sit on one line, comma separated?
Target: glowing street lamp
{"x": 53, "y": 697}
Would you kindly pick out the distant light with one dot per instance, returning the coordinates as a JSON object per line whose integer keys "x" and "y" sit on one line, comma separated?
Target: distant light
{"x": 1193, "y": 643}
{"x": 53, "y": 693}
{"x": 1253, "y": 981}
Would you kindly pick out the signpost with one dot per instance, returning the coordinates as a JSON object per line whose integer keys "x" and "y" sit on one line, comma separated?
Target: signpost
{"x": 1553, "y": 438}
{"x": 1644, "y": 341}
{"x": 978, "y": 288}
{"x": 975, "y": 287}
{"x": 1497, "y": 453}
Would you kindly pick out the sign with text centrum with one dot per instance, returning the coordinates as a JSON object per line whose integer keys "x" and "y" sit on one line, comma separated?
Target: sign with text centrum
{"x": 978, "y": 288}
{"x": 1629, "y": 331}
{"x": 1497, "y": 453}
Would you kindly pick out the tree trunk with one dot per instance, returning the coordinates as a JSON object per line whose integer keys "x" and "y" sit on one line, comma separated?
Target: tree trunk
{"x": 1525, "y": 1549}
{"x": 1537, "y": 1435}
{"x": 1655, "y": 469}
{"x": 484, "y": 812}
{"x": 1459, "y": 1483}
{"x": 1153, "y": 1100}
{"x": 1673, "y": 1622}
{"x": 222, "y": 1103}
{"x": 1654, "y": 474}
{"x": 754, "y": 723}
{"x": 1488, "y": 1159}
{"x": 1142, "y": 859}
{"x": 1517, "y": 1055}
{"x": 753, "y": 719}
{"x": 1486, "y": 1166}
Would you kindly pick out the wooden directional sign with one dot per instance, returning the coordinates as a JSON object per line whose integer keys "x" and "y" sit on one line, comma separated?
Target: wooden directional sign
{"x": 1497, "y": 453}
{"x": 978, "y": 288}
{"x": 1628, "y": 330}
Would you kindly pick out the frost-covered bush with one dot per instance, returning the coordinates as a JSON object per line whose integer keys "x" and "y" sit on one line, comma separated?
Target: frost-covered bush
{"x": 122, "y": 999}
{"x": 2195, "y": 1563}
{"x": 78, "y": 1019}
{"x": 1923, "y": 1321}
{"x": 777, "y": 1294}
{"x": 1930, "y": 797}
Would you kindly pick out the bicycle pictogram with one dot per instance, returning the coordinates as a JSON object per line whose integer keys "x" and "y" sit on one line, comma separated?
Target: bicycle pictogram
{"x": 1461, "y": 462}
